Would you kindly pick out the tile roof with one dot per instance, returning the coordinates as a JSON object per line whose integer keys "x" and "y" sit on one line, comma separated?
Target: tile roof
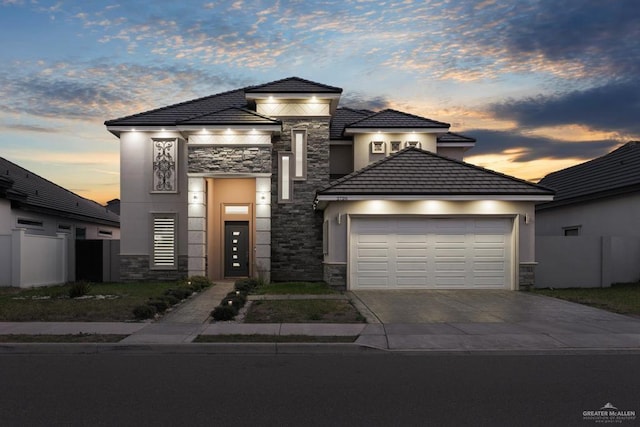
{"x": 344, "y": 116}
{"x": 396, "y": 119}
{"x": 172, "y": 114}
{"x": 232, "y": 116}
{"x": 31, "y": 191}
{"x": 293, "y": 85}
{"x": 451, "y": 137}
{"x": 613, "y": 173}
{"x": 414, "y": 172}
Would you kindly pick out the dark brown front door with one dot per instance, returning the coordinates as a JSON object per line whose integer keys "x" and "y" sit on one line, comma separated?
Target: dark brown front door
{"x": 236, "y": 248}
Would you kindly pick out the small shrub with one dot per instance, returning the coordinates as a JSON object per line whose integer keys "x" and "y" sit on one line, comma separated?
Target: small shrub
{"x": 142, "y": 312}
{"x": 235, "y": 301}
{"x": 170, "y": 299}
{"x": 246, "y": 285}
{"x": 79, "y": 289}
{"x": 237, "y": 295}
{"x": 180, "y": 293}
{"x": 160, "y": 305}
{"x": 224, "y": 312}
{"x": 197, "y": 283}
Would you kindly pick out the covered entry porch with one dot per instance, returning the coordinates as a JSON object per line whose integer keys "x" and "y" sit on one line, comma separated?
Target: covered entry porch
{"x": 229, "y": 226}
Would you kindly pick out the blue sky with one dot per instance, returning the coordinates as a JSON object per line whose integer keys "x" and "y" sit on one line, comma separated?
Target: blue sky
{"x": 541, "y": 85}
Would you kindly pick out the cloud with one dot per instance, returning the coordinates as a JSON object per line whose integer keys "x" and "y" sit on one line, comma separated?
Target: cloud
{"x": 528, "y": 148}
{"x": 99, "y": 90}
{"x": 29, "y": 128}
{"x": 611, "y": 107}
{"x": 359, "y": 100}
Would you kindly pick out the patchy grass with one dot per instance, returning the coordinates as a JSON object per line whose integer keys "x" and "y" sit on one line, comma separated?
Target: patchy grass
{"x": 621, "y": 298}
{"x": 52, "y": 303}
{"x": 303, "y": 311}
{"x": 69, "y": 338}
{"x": 295, "y": 288}
{"x": 275, "y": 338}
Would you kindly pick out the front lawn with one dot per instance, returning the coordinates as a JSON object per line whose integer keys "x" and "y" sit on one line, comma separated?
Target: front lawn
{"x": 259, "y": 338}
{"x": 68, "y": 338}
{"x": 294, "y": 288}
{"x": 621, "y": 298}
{"x": 106, "y": 302}
{"x": 303, "y": 311}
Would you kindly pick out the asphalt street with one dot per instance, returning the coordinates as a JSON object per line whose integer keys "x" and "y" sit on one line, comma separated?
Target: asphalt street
{"x": 381, "y": 389}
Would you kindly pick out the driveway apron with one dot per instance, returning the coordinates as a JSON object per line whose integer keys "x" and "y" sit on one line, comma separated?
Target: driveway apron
{"x": 490, "y": 320}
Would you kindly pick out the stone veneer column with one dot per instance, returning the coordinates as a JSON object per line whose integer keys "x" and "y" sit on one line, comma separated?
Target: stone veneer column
{"x": 263, "y": 228}
{"x": 197, "y": 227}
{"x": 296, "y": 241}
{"x": 527, "y": 276}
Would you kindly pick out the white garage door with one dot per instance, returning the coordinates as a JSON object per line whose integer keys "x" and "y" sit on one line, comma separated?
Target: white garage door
{"x": 430, "y": 253}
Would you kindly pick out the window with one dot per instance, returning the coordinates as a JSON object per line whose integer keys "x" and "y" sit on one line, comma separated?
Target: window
{"x": 81, "y": 233}
{"x": 377, "y": 147}
{"x": 285, "y": 179}
{"x": 164, "y": 241}
{"x": 29, "y": 223}
{"x": 395, "y": 146}
{"x": 64, "y": 228}
{"x": 413, "y": 144}
{"x": 165, "y": 166}
{"x": 299, "y": 148}
{"x": 571, "y": 231}
{"x": 325, "y": 237}
{"x": 105, "y": 233}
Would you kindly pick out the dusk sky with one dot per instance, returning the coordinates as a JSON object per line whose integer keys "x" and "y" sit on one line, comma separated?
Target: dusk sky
{"x": 542, "y": 85}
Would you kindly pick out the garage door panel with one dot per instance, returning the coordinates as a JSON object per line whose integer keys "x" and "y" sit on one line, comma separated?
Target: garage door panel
{"x": 430, "y": 253}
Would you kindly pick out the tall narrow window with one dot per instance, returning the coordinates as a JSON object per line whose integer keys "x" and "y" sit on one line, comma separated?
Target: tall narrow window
{"x": 299, "y": 147}
{"x": 164, "y": 241}
{"x": 285, "y": 181}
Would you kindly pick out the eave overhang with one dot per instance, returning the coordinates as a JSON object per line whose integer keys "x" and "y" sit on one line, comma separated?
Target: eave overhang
{"x": 321, "y": 201}
{"x": 356, "y": 130}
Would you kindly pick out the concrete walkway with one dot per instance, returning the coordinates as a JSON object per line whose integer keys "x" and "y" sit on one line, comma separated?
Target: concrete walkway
{"x": 437, "y": 321}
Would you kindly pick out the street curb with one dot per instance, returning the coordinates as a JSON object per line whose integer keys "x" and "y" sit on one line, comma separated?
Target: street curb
{"x": 187, "y": 348}
{"x": 284, "y": 349}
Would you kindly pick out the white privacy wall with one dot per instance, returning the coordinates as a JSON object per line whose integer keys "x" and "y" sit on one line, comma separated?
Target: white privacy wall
{"x": 34, "y": 260}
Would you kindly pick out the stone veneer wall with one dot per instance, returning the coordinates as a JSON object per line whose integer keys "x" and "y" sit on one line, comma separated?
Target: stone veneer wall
{"x": 296, "y": 229}
{"x": 229, "y": 159}
{"x": 527, "y": 276}
{"x": 135, "y": 268}
{"x": 336, "y": 275}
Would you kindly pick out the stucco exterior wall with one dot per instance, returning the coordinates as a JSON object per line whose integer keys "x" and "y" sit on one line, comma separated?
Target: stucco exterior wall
{"x": 456, "y": 153}
{"x": 138, "y": 202}
{"x": 606, "y": 251}
{"x": 615, "y": 216}
{"x": 362, "y": 155}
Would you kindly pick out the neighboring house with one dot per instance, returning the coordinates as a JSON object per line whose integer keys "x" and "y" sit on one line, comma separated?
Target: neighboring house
{"x": 39, "y": 223}
{"x": 242, "y": 184}
{"x": 588, "y": 236}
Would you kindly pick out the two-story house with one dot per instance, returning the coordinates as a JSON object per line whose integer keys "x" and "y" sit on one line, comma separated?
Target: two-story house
{"x": 277, "y": 180}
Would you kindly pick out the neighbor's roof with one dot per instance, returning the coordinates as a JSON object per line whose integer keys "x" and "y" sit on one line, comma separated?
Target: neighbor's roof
{"x": 415, "y": 172}
{"x": 615, "y": 173}
{"x": 32, "y": 192}
{"x": 395, "y": 119}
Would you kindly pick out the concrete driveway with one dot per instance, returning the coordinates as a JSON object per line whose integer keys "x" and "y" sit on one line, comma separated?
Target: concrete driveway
{"x": 489, "y": 320}
{"x": 476, "y": 306}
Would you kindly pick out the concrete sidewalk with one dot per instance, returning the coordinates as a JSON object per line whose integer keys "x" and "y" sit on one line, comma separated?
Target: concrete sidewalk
{"x": 526, "y": 324}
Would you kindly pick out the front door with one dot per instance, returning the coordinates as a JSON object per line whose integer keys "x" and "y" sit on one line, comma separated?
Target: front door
{"x": 236, "y": 248}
